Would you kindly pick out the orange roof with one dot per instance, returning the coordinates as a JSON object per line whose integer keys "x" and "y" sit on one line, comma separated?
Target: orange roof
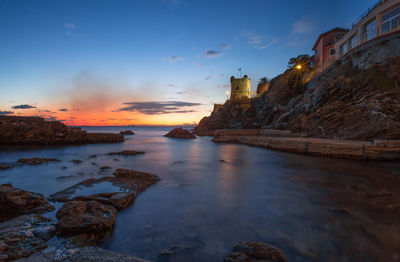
{"x": 337, "y": 29}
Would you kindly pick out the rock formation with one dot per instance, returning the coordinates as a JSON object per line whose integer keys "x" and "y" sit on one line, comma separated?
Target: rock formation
{"x": 36, "y": 160}
{"x": 126, "y": 133}
{"x": 19, "y": 130}
{"x": 96, "y": 254}
{"x": 180, "y": 133}
{"x": 15, "y": 202}
{"x": 255, "y": 251}
{"x": 127, "y": 153}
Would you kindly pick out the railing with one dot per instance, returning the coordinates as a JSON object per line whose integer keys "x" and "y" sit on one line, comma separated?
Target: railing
{"x": 369, "y": 10}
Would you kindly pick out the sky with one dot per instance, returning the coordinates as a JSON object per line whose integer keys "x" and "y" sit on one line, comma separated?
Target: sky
{"x": 149, "y": 62}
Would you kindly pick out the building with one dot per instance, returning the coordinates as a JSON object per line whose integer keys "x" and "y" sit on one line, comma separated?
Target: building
{"x": 240, "y": 87}
{"x": 324, "y": 47}
{"x": 379, "y": 20}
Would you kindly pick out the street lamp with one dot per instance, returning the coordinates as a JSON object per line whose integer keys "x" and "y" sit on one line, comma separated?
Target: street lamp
{"x": 298, "y": 67}
{"x": 227, "y": 95}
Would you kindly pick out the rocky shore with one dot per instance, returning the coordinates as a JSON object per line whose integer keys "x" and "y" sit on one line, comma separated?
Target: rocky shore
{"x": 284, "y": 140}
{"x": 18, "y": 130}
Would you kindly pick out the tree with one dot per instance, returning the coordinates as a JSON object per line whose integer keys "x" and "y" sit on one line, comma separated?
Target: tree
{"x": 305, "y": 61}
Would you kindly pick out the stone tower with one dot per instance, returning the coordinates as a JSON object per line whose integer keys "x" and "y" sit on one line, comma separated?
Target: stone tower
{"x": 240, "y": 87}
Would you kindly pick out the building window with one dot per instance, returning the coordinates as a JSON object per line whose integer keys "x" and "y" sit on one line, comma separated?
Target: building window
{"x": 353, "y": 41}
{"x": 391, "y": 20}
{"x": 343, "y": 49}
{"x": 332, "y": 51}
{"x": 237, "y": 88}
{"x": 370, "y": 30}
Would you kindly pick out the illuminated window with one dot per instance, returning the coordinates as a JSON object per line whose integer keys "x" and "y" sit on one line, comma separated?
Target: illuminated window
{"x": 332, "y": 51}
{"x": 370, "y": 30}
{"x": 391, "y": 20}
{"x": 343, "y": 49}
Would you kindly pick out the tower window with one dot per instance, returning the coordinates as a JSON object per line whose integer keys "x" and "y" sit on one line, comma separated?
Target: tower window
{"x": 237, "y": 88}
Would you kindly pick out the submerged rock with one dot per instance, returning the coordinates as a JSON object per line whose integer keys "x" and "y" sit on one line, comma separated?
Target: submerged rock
{"x": 95, "y": 254}
{"x": 77, "y": 161}
{"x": 180, "y": 133}
{"x": 246, "y": 251}
{"x": 23, "y": 236}
{"x": 15, "y": 202}
{"x": 118, "y": 200}
{"x": 4, "y": 166}
{"x": 85, "y": 217}
{"x": 127, "y": 153}
{"x": 36, "y": 160}
{"x": 127, "y": 133}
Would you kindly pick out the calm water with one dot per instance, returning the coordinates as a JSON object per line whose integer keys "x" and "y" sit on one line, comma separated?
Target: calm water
{"x": 203, "y": 206}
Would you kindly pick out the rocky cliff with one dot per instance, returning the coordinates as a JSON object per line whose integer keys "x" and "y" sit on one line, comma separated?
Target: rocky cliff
{"x": 356, "y": 98}
{"x": 18, "y": 130}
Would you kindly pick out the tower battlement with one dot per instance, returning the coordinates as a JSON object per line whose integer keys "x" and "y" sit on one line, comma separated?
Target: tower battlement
{"x": 240, "y": 87}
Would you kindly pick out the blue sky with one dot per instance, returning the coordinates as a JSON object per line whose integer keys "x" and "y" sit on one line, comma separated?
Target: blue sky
{"x": 115, "y": 52}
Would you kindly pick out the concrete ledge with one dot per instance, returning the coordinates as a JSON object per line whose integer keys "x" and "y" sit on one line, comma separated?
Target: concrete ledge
{"x": 376, "y": 150}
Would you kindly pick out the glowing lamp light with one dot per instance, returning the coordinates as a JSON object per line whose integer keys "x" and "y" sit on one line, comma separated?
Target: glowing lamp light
{"x": 227, "y": 92}
{"x": 298, "y": 67}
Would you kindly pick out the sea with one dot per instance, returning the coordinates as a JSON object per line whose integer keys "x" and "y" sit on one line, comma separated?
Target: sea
{"x": 211, "y": 196}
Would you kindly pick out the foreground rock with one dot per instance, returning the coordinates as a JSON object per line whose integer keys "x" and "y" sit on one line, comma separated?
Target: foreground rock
{"x": 23, "y": 236}
{"x": 118, "y": 200}
{"x": 36, "y": 160}
{"x": 19, "y": 130}
{"x": 95, "y": 254}
{"x": 15, "y": 202}
{"x": 85, "y": 217}
{"x": 255, "y": 251}
{"x": 4, "y": 166}
{"x": 127, "y": 153}
{"x": 129, "y": 181}
{"x": 180, "y": 133}
{"x": 127, "y": 133}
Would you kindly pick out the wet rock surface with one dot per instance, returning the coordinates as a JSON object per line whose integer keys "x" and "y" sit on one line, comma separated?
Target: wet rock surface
{"x": 4, "y": 166}
{"x": 127, "y": 133}
{"x": 127, "y": 153}
{"x": 36, "y": 160}
{"x": 85, "y": 217}
{"x": 95, "y": 254}
{"x": 180, "y": 133}
{"x": 15, "y": 202}
{"x": 255, "y": 251}
{"x": 24, "y": 235}
{"x": 118, "y": 200}
{"x": 19, "y": 130}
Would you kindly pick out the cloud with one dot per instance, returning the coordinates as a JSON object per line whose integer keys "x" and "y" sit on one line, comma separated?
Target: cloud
{"x": 3, "y": 113}
{"x": 69, "y": 26}
{"x": 63, "y": 110}
{"x": 259, "y": 41}
{"x": 212, "y": 53}
{"x": 207, "y": 78}
{"x": 173, "y": 59}
{"x": 171, "y": 85}
{"x": 23, "y": 107}
{"x": 225, "y": 46}
{"x": 159, "y": 107}
{"x": 304, "y": 25}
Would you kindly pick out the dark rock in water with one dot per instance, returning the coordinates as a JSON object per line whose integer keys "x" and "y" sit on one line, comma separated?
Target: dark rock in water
{"x": 45, "y": 233}
{"x": 4, "y": 166}
{"x": 127, "y": 133}
{"x": 95, "y": 254}
{"x": 180, "y": 133}
{"x": 64, "y": 168}
{"x": 247, "y": 251}
{"x": 105, "y": 168}
{"x": 92, "y": 156}
{"x": 15, "y": 202}
{"x": 77, "y": 161}
{"x": 36, "y": 160}
{"x": 118, "y": 200}
{"x": 130, "y": 180}
{"x": 20, "y": 130}
{"x": 18, "y": 237}
{"x": 85, "y": 217}
{"x": 127, "y": 153}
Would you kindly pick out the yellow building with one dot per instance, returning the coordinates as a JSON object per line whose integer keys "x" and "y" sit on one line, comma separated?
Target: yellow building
{"x": 240, "y": 87}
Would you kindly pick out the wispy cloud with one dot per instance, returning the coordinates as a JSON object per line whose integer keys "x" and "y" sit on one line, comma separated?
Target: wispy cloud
{"x": 69, "y": 26}
{"x": 173, "y": 59}
{"x": 259, "y": 41}
{"x": 207, "y": 78}
{"x": 3, "y": 113}
{"x": 63, "y": 110}
{"x": 304, "y": 25}
{"x": 212, "y": 53}
{"x": 25, "y": 106}
{"x": 159, "y": 107}
{"x": 225, "y": 46}
{"x": 302, "y": 29}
